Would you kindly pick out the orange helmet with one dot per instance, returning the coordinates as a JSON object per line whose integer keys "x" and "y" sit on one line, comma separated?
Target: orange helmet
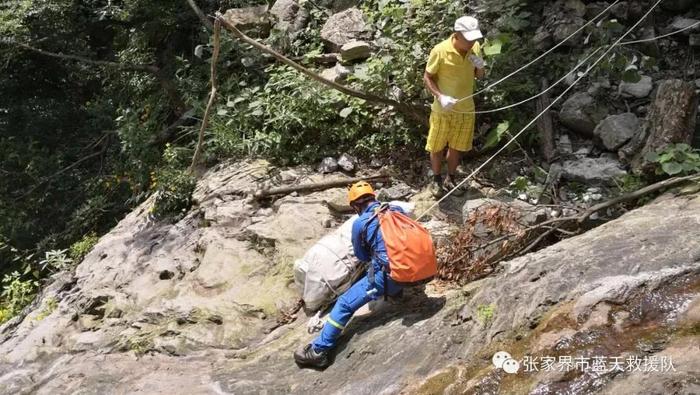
{"x": 358, "y": 190}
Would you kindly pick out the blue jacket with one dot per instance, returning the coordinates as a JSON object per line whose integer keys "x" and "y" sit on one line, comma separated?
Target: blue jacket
{"x": 375, "y": 249}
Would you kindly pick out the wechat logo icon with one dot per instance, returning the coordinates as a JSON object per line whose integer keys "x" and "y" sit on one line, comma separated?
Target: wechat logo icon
{"x": 503, "y": 360}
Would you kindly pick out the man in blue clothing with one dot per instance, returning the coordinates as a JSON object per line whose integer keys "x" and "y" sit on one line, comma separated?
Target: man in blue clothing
{"x": 369, "y": 247}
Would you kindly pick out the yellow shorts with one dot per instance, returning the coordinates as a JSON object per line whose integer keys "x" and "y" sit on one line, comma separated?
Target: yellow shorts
{"x": 450, "y": 129}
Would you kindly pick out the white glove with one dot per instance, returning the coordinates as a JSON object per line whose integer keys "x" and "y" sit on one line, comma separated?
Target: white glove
{"x": 478, "y": 62}
{"x": 447, "y": 102}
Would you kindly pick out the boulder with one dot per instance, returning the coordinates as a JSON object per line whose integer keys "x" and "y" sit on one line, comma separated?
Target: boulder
{"x": 639, "y": 89}
{"x": 254, "y": 21}
{"x": 289, "y": 15}
{"x": 347, "y": 162}
{"x": 337, "y": 73}
{"x": 398, "y": 191}
{"x": 594, "y": 171}
{"x": 671, "y": 119}
{"x": 355, "y": 50}
{"x": 581, "y": 114}
{"x": 328, "y": 165}
{"x": 616, "y": 130}
{"x": 344, "y": 27}
{"x": 681, "y": 22}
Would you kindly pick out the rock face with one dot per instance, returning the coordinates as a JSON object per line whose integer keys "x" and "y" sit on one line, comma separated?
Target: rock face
{"x": 344, "y": 27}
{"x": 639, "y": 89}
{"x": 616, "y": 130}
{"x": 629, "y": 288}
{"x": 355, "y": 50}
{"x": 289, "y": 15}
{"x": 671, "y": 119}
{"x": 581, "y": 114}
{"x": 254, "y": 21}
{"x": 592, "y": 170}
{"x": 337, "y": 73}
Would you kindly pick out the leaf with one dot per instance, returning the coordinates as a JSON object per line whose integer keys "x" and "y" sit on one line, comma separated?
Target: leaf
{"x": 345, "y": 112}
{"x": 494, "y": 136}
{"x": 631, "y": 74}
{"x": 652, "y": 157}
{"x": 493, "y": 47}
{"x": 222, "y": 111}
{"x": 672, "y": 168}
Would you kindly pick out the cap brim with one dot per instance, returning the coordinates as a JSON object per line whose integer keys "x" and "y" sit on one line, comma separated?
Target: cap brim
{"x": 472, "y": 35}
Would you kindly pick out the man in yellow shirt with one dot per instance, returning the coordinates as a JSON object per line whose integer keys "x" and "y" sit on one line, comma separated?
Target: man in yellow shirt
{"x": 449, "y": 76}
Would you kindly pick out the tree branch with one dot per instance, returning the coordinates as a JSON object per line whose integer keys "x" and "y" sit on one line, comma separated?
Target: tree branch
{"x": 201, "y": 15}
{"x": 212, "y": 95}
{"x": 413, "y": 112}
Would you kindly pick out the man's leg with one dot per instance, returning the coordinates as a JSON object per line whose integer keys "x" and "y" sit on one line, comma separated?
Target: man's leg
{"x": 437, "y": 141}
{"x": 460, "y": 140}
{"x": 348, "y": 303}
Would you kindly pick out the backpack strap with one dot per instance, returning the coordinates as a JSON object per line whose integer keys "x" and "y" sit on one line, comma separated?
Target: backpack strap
{"x": 382, "y": 207}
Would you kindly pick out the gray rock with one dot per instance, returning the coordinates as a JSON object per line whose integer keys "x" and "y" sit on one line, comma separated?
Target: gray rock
{"x": 289, "y": 175}
{"x": 575, "y": 7}
{"x": 337, "y": 73}
{"x": 344, "y": 27}
{"x": 328, "y": 165}
{"x": 355, "y": 50}
{"x": 640, "y": 89}
{"x": 645, "y": 261}
{"x": 289, "y": 15}
{"x": 564, "y": 30}
{"x": 347, "y": 162}
{"x": 254, "y": 21}
{"x": 681, "y": 22}
{"x": 565, "y": 146}
{"x": 398, "y": 191}
{"x": 592, "y": 170}
{"x": 581, "y": 114}
{"x": 616, "y": 130}
{"x": 621, "y": 10}
{"x": 542, "y": 38}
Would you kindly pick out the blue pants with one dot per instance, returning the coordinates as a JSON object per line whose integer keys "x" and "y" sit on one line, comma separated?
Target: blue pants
{"x": 348, "y": 303}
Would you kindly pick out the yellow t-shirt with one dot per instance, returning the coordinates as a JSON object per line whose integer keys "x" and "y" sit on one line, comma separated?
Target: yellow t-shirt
{"x": 454, "y": 73}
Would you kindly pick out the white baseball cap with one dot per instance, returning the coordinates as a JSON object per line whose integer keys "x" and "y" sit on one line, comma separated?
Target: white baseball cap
{"x": 469, "y": 27}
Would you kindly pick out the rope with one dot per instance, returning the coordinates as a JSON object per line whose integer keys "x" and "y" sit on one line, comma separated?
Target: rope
{"x": 660, "y": 37}
{"x": 574, "y": 69}
{"x": 585, "y": 73}
{"x": 541, "y": 56}
{"x": 535, "y": 96}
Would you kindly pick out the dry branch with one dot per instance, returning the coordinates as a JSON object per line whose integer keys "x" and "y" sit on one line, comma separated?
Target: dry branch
{"x": 212, "y": 95}
{"x": 319, "y": 186}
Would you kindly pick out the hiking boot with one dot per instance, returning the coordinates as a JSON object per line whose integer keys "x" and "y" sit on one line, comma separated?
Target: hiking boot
{"x": 436, "y": 190}
{"x": 449, "y": 185}
{"x": 307, "y": 356}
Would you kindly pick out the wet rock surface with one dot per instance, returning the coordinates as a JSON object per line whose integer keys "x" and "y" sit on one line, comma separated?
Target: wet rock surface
{"x": 158, "y": 308}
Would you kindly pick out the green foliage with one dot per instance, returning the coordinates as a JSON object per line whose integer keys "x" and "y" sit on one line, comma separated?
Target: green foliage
{"x": 56, "y": 261}
{"x": 485, "y": 313}
{"x": 173, "y": 185}
{"x": 80, "y": 248}
{"x": 292, "y": 120}
{"x": 629, "y": 183}
{"x": 16, "y": 294}
{"x": 676, "y": 159}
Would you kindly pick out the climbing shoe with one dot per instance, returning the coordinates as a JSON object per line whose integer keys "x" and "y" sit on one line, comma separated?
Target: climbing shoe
{"x": 436, "y": 190}
{"x": 449, "y": 185}
{"x": 307, "y": 356}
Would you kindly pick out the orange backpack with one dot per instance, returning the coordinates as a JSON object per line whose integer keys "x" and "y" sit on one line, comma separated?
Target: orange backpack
{"x": 409, "y": 247}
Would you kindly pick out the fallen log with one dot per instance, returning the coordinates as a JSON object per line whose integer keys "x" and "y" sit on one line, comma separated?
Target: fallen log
{"x": 319, "y": 186}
